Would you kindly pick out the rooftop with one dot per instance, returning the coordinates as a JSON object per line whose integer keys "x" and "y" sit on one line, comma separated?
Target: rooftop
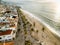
{"x": 7, "y": 32}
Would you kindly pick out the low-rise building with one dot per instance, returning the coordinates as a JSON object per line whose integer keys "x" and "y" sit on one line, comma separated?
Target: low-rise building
{"x": 8, "y": 23}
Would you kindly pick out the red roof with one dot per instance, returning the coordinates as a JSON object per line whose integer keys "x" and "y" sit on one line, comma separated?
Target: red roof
{"x": 5, "y": 32}
{"x": 8, "y": 43}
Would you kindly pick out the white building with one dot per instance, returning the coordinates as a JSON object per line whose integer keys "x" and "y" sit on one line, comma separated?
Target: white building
{"x": 8, "y": 25}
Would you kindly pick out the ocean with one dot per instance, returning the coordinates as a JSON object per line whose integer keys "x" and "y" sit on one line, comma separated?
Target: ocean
{"x": 42, "y": 10}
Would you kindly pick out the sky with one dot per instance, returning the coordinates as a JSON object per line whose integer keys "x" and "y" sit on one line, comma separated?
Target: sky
{"x": 33, "y": 0}
{"x": 27, "y": 0}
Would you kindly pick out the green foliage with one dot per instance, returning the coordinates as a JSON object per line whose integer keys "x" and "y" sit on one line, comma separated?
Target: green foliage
{"x": 28, "y": 43}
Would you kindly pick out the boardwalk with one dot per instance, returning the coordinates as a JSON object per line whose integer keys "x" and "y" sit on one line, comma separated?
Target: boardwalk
{"x": 23, "y": 35}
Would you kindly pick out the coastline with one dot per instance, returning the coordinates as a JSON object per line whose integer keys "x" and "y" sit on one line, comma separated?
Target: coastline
{"x": 53, "y": 30}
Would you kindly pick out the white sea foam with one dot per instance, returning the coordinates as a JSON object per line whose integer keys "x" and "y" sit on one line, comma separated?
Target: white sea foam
{"x": 56, "y": 32}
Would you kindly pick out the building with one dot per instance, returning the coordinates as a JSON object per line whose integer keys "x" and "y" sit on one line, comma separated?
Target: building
{"x": 8, "y": 23}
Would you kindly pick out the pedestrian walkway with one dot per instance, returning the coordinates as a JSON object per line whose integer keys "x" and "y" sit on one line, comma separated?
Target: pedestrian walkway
{"x": 23, "y": 36}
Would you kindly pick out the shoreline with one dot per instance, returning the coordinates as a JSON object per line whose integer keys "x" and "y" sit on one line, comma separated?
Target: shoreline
{"x": 53, "y": 30}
